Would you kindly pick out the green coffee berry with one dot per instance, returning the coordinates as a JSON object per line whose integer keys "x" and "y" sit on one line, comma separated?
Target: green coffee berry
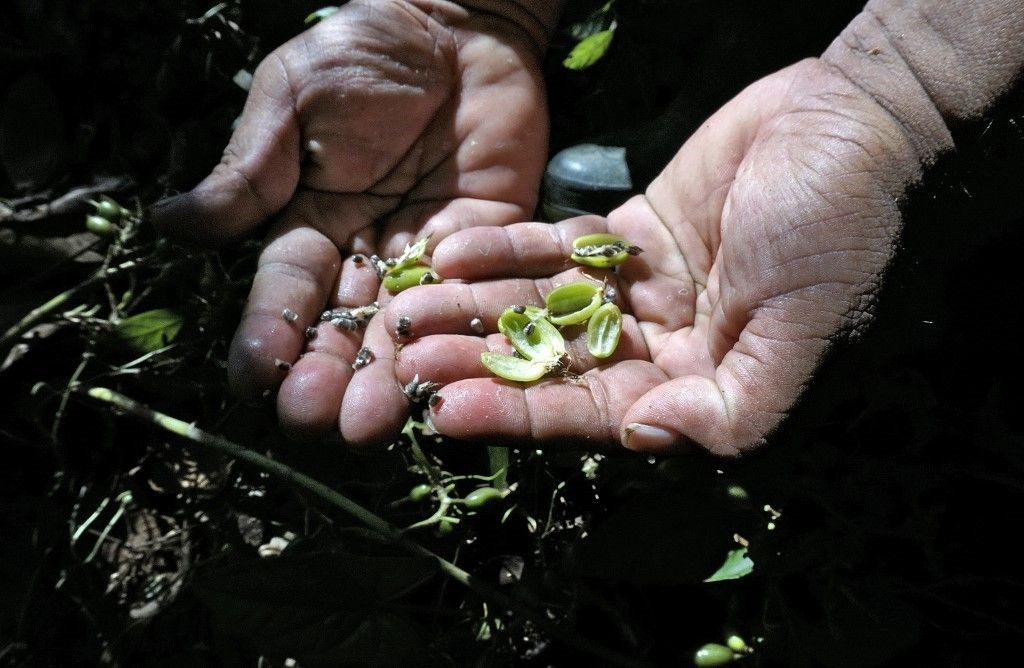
{"x": 534, "y": 339}
{"x": 736, "y": 643}
{"x": 481, "y": 497}
{"x": 398, "y": 279}
{"x": 573, "y": 303}
{"x": 420, "y": 492}
{"x": 100, "y": 226}
{"x": 110, "y": 209}
{"x": 604, "y": 330}
{"x": 713, "y": 654}
{"x": 514, "y": 368}
{"x": 535, "y": 312}
{"x": 602, "y": 250}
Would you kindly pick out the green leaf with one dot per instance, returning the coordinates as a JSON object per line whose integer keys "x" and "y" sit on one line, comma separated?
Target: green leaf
{"x": 150, "y": 330}
{"x": 737, "y": 565}
{"x": 320, "y": 14}
{"x": 590, "y": 50}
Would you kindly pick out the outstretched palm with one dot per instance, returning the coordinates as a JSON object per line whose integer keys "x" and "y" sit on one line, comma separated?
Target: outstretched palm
{"x": 763, "y": 238}
{"x": 382, "y": 124}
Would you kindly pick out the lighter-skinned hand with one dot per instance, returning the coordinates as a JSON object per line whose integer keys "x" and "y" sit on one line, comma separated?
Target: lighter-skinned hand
{"x": 389, "y": 121}
{"x": 764, "y": 238}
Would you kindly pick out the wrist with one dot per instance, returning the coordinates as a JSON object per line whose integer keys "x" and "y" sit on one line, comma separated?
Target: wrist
{"x": 929, "y": 63}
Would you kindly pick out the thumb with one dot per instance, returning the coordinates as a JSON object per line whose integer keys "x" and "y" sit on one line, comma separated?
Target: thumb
{"x": 757, "y": 382}
{"x": 256, "y": 176}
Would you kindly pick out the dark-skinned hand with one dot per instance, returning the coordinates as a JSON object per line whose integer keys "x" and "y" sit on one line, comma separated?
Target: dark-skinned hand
{"x": 387, "y": 122}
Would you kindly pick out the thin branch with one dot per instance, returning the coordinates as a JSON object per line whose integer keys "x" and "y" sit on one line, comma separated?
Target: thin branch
{"x": 518, "y": 601}
{"x": 38, "y": 314}
{"x": 70, "y": 202}
{"x": 11, "y": 336}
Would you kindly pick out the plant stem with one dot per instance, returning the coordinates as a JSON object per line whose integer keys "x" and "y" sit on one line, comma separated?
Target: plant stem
{"x": 197, "y": 435}
{"x": 497, "y": 459}
{"x": 10, "y": 337}
{"x": 518, "y": 601}
{"x": 37, "y": 314}
{"x": 40, "y": 312}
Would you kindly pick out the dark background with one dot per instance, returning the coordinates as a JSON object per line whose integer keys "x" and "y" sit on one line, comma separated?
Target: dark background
{"x": 900, "y": 475}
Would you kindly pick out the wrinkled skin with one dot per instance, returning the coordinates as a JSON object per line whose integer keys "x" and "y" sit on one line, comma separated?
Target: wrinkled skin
{"x": 385, "y": 123}
{"x": 764, "y": 239}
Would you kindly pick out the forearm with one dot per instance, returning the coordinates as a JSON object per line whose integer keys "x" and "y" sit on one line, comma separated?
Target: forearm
{"x": 929, "y": 62}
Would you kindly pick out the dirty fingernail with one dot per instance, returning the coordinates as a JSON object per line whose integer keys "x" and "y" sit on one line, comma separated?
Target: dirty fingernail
{"x": 637, "y": 436}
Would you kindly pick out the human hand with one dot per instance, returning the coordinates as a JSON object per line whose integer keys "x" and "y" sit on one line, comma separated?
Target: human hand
{"x": 387, "y": 122}
{"x": 763, "y": 239}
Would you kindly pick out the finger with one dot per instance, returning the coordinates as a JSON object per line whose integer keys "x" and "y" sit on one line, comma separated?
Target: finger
{"x": 309, "y": 400}
{"x": 523, "y": 249}
{"x": 586, "y": 411}
{"x": 661, "y": 289}
{"x": 255, "y": 178}
{"x": 295, "y": 275}
{"x": 451, "y": 308}
{"x": 733, "y": 409}
{"x": 365, "y": 241}
{"x": 447, "y": 358}
{"x": 358, "y": 284}
{"x": 374, "y": 406}
{"x": 439, "y": 220}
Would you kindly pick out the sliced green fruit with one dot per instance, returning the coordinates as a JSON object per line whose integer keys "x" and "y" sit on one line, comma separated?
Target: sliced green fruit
{"x": 514, "y": 368}
{"x": 573, "y": 303}
{"x": 602, "y": 250}
{"x": 535, "y": 312}
{"x": 397, "y": 279}
{"x": 604, "y": 330}
{"x": 410, "y": 257}
{"x": 534, "y": 339}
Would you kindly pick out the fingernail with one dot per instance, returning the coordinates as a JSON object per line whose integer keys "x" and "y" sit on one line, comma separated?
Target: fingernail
{"x": 637, "y": 436}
